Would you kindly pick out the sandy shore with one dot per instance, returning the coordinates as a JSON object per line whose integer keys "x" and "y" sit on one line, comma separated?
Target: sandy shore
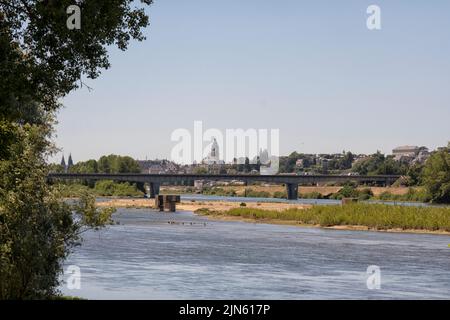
{"x": 195, "y": 205}
{"x": 223, "y": 206}
{"x": 324, "y": 190}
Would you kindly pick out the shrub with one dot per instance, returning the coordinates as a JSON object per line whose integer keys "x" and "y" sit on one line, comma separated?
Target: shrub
{"x": 311, "y": 195}
{"x": 280, "y": 194}
{"x": 256, "y": 194}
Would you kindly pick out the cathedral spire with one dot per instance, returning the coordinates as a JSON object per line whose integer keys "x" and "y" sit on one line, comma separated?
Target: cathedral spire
{"x": 70, "y": 161}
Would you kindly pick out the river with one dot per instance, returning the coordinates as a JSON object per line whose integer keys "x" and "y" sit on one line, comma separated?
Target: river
{"x": 152, "y": 255}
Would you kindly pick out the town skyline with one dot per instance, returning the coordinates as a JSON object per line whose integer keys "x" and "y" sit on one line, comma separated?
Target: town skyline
{"x": 56, "y": 159}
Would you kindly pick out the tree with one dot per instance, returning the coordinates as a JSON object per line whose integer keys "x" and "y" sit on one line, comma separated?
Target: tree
{"x": 41, "y": 61}
{"x": 415, "y": 174}
{"x": 117, "y": 164}
{"x": 436, "y": 176}
{"x": 57, "y": 57}
{"x": 89, "y": 166}
{"x": 346, "y": 161}
{"x": 287, "y": 164}
{"x": 378, "y": 163}
{"x": 37, "y": 229}
{"x": 200, "y": 170}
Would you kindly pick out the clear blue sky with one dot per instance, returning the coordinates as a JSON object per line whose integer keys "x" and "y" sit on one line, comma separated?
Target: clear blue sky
{"x": 310, "y": 68}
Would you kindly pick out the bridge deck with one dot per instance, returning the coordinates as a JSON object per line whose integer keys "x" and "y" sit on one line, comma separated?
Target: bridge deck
{"x": 291, "y": 181}
{"x": 178, "y": 178}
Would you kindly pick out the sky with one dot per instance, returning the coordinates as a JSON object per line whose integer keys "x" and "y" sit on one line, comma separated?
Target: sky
{"x": 311, "y": 69}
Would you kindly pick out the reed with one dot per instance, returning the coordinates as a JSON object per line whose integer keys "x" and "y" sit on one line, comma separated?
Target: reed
{"x": 374, "y": 216}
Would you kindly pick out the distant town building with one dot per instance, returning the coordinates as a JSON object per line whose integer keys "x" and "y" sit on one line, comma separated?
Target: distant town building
{"x": 411, "y": 154}
{"x": 157, "y": 166}
{"x": 264, "y": 156}
{"x": 405, "y": 151}
{"x": 214, "y": 155}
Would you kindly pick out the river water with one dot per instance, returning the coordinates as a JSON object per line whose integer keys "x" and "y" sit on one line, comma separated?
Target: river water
{"x": 152, "y": 255}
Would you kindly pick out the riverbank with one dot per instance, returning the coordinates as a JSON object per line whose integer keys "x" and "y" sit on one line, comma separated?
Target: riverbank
{"x": 364, "y": 217}
{"x": 110, "y": 188}
{"x": 367, "y": 217}
{"x": 273, "y": 190}
{"x": 223, "y": 217}
{"x": 219, "y": 206}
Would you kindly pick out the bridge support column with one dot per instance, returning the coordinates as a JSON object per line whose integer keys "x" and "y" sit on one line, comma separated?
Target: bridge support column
{"x": 140, "y": 186}
{"x": 154, "y": 189}
{"x": 292, "y": 191}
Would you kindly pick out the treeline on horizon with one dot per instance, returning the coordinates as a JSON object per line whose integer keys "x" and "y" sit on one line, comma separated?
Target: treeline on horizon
{"x": 349, "y": 190}
{"x": 375, "y": 164}
{"x": 433, "y": 175}
{"x": 106, "y": 164}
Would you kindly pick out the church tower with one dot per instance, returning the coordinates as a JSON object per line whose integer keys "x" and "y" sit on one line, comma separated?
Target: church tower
{"x": 69, "y": 162}
{"x": 63, "y": 164}
{"x": 215, "y": 151}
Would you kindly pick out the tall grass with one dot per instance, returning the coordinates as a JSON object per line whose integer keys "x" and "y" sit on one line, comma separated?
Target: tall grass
{"x": 375, "y": 216}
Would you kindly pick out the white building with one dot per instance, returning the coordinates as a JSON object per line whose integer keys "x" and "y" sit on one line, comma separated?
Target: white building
{"x": 214, "y": 155}
{"x": 411, "y": 154}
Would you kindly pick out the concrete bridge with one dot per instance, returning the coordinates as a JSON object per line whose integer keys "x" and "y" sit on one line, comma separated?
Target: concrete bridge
{"x": 291, "y": 181}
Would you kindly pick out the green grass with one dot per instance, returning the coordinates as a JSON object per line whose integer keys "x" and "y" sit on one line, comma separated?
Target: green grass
{"x": 419, "y": 195}
{"x": 375, "y": 216}
{"x": 101, "y": 188}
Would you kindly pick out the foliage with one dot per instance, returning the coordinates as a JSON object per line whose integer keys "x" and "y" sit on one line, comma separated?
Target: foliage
{"x": 311, "y": 195}
{"x": 89, "y": 216}
{"x": 41, "y": 62}
{"x": 90, "y": 166}
{"x": 287, "y": 164}
{"x": 436, "y": 176}
{"x": 107, "y": 164}
{"x": 109, "y": 188}
{"x": 37, "y": 229}
{"x": 379, "y": 164}
{"x": 200, "y": 170}
{"x": 7, "y": 136}
{"x": 57, "y": 57}
{"x": 415, "y": 175}
{"x": 248, "y": 192}
{"x": 102, "y": 188}
{"x": 280, "y": 194}
{"x": 365, "y": 194}
{"x": 216, "y": 191}
{"x": 413, "y": 194}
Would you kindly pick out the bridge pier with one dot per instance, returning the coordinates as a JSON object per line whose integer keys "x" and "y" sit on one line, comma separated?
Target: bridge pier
{"x": 292, "y": 191}
{"x": 154, "y": 189}
{"x": 140, "y": 186}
